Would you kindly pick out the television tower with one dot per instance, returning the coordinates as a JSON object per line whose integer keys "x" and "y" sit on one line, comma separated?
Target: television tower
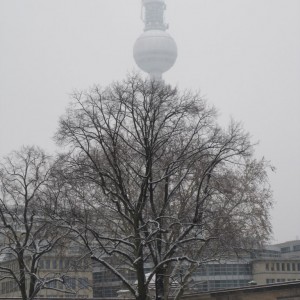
{"x": 155, "y": 51}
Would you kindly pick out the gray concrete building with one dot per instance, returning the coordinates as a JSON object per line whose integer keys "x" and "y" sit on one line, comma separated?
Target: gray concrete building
{"x": 273, "y": 265}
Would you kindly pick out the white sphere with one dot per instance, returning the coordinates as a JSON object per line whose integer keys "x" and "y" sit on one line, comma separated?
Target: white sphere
{"x": 155, "y": 52}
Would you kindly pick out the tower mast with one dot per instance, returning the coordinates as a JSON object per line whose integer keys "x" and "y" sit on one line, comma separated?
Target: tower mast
{"x": 153, "y": 15}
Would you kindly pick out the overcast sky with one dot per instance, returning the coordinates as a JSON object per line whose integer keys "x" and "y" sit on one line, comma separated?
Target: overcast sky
{"x": 242, "y": 55}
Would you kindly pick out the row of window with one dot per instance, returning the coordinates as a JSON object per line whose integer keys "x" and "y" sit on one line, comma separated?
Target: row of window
{"x": 105, "y": 292}
{"x": 272, "y": 280}
{"x": 220, "y": 284}
{"x": 12, "y": 266}
{"x": 265, "y": 253}
{"x": 67, "y": 263}
{"x": 288, "y": 249}
{"x": 9, "y": 287}
{"x": 107, "y": 276}
{"x": 54, "y": 264}
{"x": 104, "y": 277}
{"x": 283, "y": 266}
{"x": 70, "y": 283}
{"x": 223, "y": 269}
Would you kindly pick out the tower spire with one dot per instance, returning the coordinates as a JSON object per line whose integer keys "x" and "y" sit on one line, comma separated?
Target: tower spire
{"x": 155, "y": 51}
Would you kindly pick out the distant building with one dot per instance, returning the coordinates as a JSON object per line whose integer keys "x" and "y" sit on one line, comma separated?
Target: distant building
{"x": 274, "y": 264}
{"x": 75, "y": 272}
{"x": 222, "y": 275}
{"x": 279, "y": 263}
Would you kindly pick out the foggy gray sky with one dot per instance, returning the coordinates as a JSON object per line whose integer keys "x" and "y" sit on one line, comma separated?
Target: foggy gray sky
{"x": 243, "y": 55}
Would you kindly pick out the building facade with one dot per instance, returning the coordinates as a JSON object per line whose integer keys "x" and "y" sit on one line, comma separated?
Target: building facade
{"x": 273, "y": 265}
{"x": 279, "y": 263}
{"x": 221, "y": 275}
{"x": 64, "y": 276}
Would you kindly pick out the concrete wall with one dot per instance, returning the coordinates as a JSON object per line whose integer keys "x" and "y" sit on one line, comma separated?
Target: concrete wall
{"x": 274, "y": 271}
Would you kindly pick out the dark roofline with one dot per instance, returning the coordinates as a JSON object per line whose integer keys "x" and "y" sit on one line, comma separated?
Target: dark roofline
{"x": 251, "y": 289}
{"x": 262, "y": 288}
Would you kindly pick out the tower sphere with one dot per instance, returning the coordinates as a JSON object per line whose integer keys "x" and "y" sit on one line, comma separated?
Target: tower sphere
{"x": 155, "y": 52}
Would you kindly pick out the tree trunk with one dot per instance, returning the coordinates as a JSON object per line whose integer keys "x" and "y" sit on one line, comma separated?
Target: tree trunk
{"x": 142, "y": 290}
{"x": 159, "y": 283}
{"x": 22, "y": 276}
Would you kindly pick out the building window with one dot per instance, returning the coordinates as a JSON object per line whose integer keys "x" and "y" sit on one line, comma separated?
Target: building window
{"x": 296, "y": 248}
{"x": 102, "y": 292}
{"x": 86, "y": 264}
{"x": 60, "y": 285}
{"x": 288, "y": 267}
{"x": 277, "y": 266}
{"x": 83, "y": 283}
{"x": 224, "y": 269}
{"x": 41, "y": 264}
{"x": 70, "y": 283}
{"x": 201, "y": 271}
{"x": 54, "y": 264}
{"x": 243, "y": 270}
{"x": 67, "y": 263}
{"x": 52, "y": 284}
{"x": 283, "y": 266}
{"x": 47, "y": 264}
{"x": 267, "y": 266}
{"x": 285, "y": 249}
{"x": 294, "y": 267}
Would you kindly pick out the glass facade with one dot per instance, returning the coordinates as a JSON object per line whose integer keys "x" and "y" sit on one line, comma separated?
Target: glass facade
{"x": 211, "y": 285}
{"x": 221, "y": 276}
{"x": 224, "y": 269}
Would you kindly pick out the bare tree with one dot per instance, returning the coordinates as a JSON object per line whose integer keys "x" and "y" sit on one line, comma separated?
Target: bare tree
{"x": 161, "y": 183}
{"x": 27, "y": 234}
